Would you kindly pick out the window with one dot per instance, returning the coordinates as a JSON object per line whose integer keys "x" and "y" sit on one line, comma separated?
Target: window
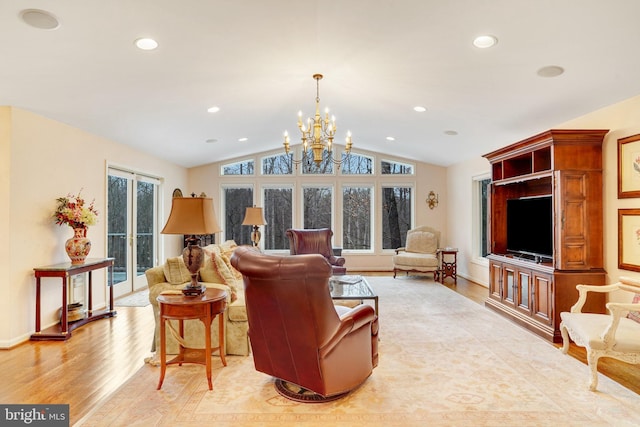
{"x": 317, "y": 203}
{"x": 278, "y": 165}
{"x": 236, "y": 200}
{"x": 396, "y": 216}
{"x": 323, "y": 167}
{"x": 395, "y": 168}
{"x": 278, "y": 213}
{"x": 356, "y": 164}
{"x": 239, "y": 168}
{"x": 481, "y": 221}
{"x": 356, "y": 218}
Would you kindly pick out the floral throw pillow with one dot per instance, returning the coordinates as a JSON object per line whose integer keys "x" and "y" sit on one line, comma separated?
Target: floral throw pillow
{"x": 635, "y": 315}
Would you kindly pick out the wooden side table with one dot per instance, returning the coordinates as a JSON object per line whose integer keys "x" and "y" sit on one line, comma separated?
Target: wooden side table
{"x": 205, "y": 307}
{"x": 65, "y": 271}
{"x": 448, "y": 264}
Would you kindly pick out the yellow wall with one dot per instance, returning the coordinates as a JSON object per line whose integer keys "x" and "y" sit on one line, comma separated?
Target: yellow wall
{"x": 42, "y": 160}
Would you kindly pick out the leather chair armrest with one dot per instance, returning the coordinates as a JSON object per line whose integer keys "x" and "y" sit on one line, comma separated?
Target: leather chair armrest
{"x": 350, "y": 321}
{"x": 336, "y": 260}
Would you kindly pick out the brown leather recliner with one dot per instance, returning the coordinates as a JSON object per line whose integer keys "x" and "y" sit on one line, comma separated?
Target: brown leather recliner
{"x": 316, "y": 241}
{"x": 296, "y": 332}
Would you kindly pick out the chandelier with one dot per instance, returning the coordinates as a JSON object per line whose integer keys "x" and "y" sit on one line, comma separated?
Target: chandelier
{"x": 317, "y": 134}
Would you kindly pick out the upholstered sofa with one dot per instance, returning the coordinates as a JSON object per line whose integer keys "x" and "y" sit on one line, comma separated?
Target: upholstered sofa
{"x": 216, "y": 272}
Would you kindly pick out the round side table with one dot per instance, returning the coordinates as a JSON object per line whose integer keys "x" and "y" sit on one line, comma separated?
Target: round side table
{"x": 205, "y": 307}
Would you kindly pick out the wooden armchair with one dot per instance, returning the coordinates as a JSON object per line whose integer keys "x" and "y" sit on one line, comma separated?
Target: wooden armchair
{"x": 616, "y": 334}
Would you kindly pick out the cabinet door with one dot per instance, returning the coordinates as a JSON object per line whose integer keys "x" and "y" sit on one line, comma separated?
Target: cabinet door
{"x": 571, "y": 209}
{"x": 523, "y": 291}
{"x": 508, "y": 284}
{"x": 542, "y": 298}
{"x": 495, "y": 280}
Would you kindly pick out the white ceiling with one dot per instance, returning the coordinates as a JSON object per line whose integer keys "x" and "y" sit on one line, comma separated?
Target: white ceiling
{"x": 380, "y": 58}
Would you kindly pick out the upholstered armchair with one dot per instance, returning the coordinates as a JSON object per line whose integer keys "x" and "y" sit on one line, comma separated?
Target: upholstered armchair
{"x": 316, "y": 241}
{"x": 314, "y": 349}
{"x": 616, "y": 334}
{"x": 419, "y": 254}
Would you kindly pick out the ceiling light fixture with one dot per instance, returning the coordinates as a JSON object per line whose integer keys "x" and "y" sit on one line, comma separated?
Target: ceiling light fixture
{"x": 483, "y": 42}
{"x": 211, "y": 141}
{"x": 450, "y": 132}
{"x": 213, "y": 109}
{"x": 390, "y": 138}
{"x": 40, "y": 19}
{"x": 243, "y": 139}
{"x": 317, "y": 134}
{"x": 419, "y": 109}
{"x": 145, "y": 43}
{"x": 550, "y": 71}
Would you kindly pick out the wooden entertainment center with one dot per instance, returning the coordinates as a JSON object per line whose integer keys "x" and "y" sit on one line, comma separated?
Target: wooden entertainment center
{"x": 567, "y": 166}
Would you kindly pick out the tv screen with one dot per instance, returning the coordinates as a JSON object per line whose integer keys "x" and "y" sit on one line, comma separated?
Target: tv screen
{"x": 530, "y": 226}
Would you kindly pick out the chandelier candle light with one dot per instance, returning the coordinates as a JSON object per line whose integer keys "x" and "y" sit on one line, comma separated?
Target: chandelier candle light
{"x": 317, "y": 134}
{"x": 192, "y": 216}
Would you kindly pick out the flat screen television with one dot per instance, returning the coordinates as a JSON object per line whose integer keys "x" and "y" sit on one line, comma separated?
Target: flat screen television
{"x": 530, "y": 226}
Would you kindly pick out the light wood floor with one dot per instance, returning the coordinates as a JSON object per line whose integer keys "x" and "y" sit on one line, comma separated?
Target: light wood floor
{"x": 103, "y": 354}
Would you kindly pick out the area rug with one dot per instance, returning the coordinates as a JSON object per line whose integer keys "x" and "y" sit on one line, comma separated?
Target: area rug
{"x": 444, "y": 361}
{"x": 136, "y": 299}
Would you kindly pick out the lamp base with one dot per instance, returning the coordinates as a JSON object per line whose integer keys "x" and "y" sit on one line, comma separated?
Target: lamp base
{"x": 193, "y": 291}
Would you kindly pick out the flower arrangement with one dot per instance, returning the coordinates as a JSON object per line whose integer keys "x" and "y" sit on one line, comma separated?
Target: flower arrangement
{"x": 73, "y": 211}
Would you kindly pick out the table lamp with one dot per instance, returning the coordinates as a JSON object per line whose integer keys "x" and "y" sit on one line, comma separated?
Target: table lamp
{"x": 192, "y": 216}
{"x": 255, "y": 217}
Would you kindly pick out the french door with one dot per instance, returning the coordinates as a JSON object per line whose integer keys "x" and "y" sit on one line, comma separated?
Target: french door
{"x": 132, "y": 231}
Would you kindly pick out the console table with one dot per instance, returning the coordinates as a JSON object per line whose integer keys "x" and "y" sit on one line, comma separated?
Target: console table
{"x": 64, "y": 271}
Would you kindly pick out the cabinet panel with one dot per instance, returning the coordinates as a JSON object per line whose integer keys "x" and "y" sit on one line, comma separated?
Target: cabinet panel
{"x": 523, "y": 291}
{"x": 571, "y": 241}
{"x": 542, "y": 298}
{"x": 495, "y": 280}
{"x": 508, "y": 285}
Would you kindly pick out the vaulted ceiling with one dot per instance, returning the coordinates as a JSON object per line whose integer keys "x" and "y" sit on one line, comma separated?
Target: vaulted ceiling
{"x": 380, "y": 58}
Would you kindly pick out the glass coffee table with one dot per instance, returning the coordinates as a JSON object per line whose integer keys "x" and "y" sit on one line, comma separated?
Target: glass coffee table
{"x": 352, "y": 287}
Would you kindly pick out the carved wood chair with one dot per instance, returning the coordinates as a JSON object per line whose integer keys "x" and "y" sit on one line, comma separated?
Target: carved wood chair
{"x": 419, "y": 253}
{"x": 616, "y": 334}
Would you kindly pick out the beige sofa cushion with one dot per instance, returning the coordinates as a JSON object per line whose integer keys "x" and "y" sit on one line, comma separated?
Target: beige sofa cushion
{"x": 175, "y": 271}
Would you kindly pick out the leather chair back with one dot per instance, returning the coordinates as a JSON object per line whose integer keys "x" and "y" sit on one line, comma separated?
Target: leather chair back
{"x": 315, "y": 241}
{"x": 296, "y": 332}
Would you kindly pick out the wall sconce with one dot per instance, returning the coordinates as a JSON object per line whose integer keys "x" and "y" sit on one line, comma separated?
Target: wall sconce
{"x": 432, "y": 199}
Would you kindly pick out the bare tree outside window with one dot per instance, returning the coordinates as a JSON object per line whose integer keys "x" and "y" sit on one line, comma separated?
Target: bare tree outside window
{"x": 356, "y": 218}
{"x": 356, "y": 164}
{"x": 317, "y": 207}
{"x": 395, "y": 168}
{"x": 236, "y": 200}
{"x": 311, "y": 167}
{"x": 396, "y": 216}
{"x": 278, "y": 165}
{"x": 240, "y": 168}
{"x": 278, "y": 214}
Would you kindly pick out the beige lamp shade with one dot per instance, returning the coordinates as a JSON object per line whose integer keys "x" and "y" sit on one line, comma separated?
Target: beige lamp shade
{"x": 191, "y": 215}
{"x": 254, "y": 216}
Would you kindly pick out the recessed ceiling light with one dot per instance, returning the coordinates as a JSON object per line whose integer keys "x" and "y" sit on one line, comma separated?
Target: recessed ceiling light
{"x": 390, "y": 138}
{"x": 550, "y": 71}
{"x": 419, "y": 109}
{"x": 40, "y": 19}
{"x": 484, "y": 42}
{"x": 243, "y": 139}
{"x": 213, "y": 109}
{"x": 450, "y": 132}
{"x": 211, "y": 140}
{"x": 146, "y": 43}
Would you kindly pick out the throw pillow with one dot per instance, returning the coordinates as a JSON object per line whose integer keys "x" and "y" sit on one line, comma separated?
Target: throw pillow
{"x": 226, "y": 274}
{"x": 209, "y": 272}
{"x": 175, "y": 271}
{"x": 635, "y": 315}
